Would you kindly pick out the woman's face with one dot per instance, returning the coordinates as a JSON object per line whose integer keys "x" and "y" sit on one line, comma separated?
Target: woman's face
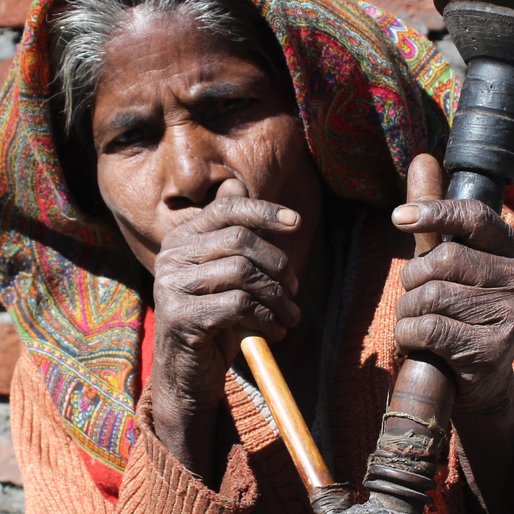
{"x": 177, "y": 113}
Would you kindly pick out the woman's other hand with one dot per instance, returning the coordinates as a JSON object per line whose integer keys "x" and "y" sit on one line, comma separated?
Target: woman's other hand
{"x": 460, "y": 297}
{"x": 213, "y": 274}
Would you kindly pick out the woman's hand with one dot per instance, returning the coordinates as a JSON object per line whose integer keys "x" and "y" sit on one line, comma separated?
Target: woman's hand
{"x": 460, "y": 299}
{"x": 214, "y": 273}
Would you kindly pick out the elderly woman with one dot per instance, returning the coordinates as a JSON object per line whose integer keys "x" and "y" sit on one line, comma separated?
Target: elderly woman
{"x": 247, "y": 155}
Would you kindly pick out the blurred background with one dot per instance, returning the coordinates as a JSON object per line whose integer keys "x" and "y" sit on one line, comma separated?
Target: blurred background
{"x": 419, "y": 13}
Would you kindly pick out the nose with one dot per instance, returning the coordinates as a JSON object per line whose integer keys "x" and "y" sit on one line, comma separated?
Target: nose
{"x": 192, "y": 168}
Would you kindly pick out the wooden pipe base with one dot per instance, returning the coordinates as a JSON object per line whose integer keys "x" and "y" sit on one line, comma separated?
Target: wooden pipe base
{"x": 414, "y": 431}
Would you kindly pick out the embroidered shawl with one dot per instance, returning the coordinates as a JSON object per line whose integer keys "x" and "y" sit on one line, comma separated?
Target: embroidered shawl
{"x": 372, "y": 93}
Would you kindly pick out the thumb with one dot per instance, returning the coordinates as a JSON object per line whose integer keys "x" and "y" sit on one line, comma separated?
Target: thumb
{"x": 232, "y": 187}
{"x": 425, "y": 181}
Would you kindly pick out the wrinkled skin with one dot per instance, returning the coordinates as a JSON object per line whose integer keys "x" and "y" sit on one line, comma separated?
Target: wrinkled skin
{"x": 197, "y": 156}
{"x": 460, "y": 305}
{"x": 204, "y": 166}
{"x": 460, "y": 299}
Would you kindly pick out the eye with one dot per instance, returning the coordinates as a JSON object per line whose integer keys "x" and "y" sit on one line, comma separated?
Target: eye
{"x": 225, "y": 108}
{"x": 130, "y": 137}
{"x": 134, "y": 139}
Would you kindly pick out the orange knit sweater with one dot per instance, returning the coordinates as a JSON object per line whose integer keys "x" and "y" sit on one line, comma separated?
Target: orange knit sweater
{"x": 259, "y": 475}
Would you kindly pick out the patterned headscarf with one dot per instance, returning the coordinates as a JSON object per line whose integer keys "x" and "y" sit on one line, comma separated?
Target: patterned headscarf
{"x": 372, "y": 94}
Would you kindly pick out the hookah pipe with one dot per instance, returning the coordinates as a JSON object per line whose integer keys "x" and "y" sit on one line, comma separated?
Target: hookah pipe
{"x": 480, "y": 157}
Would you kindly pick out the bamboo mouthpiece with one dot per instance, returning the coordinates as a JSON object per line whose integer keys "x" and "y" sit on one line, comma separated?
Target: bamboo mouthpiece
{"x": 303, "y": 450}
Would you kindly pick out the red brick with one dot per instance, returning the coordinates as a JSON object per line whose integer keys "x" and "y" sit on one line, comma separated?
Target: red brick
{"x": 9, "y": 352}
{"x": 418, "y": 11}
{"x": 13, "y": 12}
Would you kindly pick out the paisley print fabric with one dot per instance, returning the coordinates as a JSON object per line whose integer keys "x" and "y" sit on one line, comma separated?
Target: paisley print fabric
{"x": 371, "y": 92}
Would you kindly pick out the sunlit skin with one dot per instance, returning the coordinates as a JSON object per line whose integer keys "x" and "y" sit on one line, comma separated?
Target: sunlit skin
{"x": 177, "y": 114}
{"x": 189, "y": 134}
{"x": 204, "y": 166}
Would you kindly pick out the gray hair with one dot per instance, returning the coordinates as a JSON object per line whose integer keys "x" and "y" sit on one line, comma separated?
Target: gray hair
{"x": 79, "y": 36}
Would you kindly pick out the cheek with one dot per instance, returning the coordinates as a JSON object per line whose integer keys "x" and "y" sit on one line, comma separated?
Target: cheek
{"x": 125, "y": 192}
{"x": 130, "y": 205}
{"x": 107, "y": 187}
{"x": 273, "y": 155}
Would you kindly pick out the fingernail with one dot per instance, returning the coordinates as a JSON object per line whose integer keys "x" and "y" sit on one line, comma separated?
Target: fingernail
{"x": 406, "y": 214}
{"x": 287, "y": 217}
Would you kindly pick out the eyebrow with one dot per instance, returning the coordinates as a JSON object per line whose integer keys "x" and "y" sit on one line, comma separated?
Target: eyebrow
{"x": 122, "y": 121}
{"x": 221, "y": 90}
{"x": 199, "y": 94}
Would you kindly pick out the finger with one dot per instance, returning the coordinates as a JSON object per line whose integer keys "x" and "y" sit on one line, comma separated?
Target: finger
{"x": 452, "y": 340}
{"x": 232, "y": 187}
{"x": 475, "y": 224}
{"x": 233, "y": 273}
{"x": 467, "y": 349}
{"x": 221, "y": 311}
{"x": 235, "y": 210}
{"x": 230, "y": 242}
{"x": 453, "y": 262}
{"x": 469, "y": 305}
{"x": 425, "y": 181}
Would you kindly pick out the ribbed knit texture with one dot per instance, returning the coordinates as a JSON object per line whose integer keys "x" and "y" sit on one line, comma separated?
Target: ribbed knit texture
{"x": 371, "y": 94}
{"x": 57, "y": 481}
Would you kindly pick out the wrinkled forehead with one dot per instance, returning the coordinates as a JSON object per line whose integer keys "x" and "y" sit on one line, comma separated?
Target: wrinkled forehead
{"x": 170, "y": 59}
{"x": 88, "y": 28}
{"x": 239, "y": 30}
{"x": 149, "y": 32}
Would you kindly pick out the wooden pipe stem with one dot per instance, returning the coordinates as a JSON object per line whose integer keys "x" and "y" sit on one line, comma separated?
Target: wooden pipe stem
{"x": 480, "y": 157}
{"x": 425, "y": 389}
{"x": 303, "y": 450}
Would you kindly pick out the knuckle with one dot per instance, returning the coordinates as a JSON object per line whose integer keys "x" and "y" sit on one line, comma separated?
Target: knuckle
{"x": 402, "y": 306}
{"x": 238, "y": 237}
{"x": 191, "y": 282}
{"x": 478, "y": 218}
{"x": 407, "y": 335}
{"x": 276, "y": 291}
{"x": 483, "y": 215}
{"x": 431, "y": 293}
{"x": 265, "y": 315}
{"x": 273, "y": 291}
{"x": 243, "y": 301}
{"x": 408, "y": 275}
{"x": 222, "y": 207}
{"x": 399, "y": 333}
{"x": 242, "y": 267}
{"x": 281, "y": 262}
{"x": 444, "y": 210}
{"x": 170, "y": 258}
{"x": 445, "y": 256}
{"x": 431, "y": 328}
